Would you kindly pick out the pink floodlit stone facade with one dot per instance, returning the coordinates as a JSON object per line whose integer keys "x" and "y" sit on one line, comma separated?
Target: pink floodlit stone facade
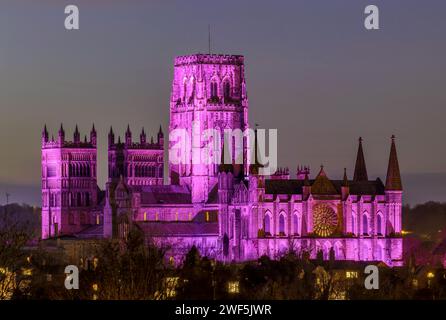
{"x": 69, "y": 186}
{"x": 228, "y": 211}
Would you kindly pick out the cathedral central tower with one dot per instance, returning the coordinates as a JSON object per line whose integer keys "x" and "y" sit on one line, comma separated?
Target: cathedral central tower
{"x": 208, "y": 92}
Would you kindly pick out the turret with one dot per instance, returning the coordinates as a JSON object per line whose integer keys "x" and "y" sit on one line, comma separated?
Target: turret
{"x": 76, "y": 135}
{"x": 111, "y": 137}
{"x": 128, "y": 136}
{"x": 44, "y": 135}
{"x": 394, "y": 191}
{"x": 302, "y": 171}
{"x": 306, "y": 189}
{"x": 93, "y": 136}
{"x": 142, "y": 137}
{"x": 61, "y": 136}
{"x": 160, "y": 137}
{"x": 345, "y": 188}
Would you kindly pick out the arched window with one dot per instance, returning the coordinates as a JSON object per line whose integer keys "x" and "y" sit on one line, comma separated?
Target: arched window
{"x": 87, "y": 199}
{"x": 295, "y": 224}
{"x": 214, "y": 93}
{"x": 227, "y": 90}
{"x": 79, "y": 199}
{"x": 353, "y": 223}
{"x": 281, "y": 225}
{"x": 339, "y": 252}
{"x": 266, "y": 223}
{"x": 365, "y": 224}
{"x": 327, "y": 248}
{"x": 379, "y": 230}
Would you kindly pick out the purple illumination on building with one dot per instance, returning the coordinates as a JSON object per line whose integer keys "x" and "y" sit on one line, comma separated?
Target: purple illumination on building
{"x": 228, "y": 211}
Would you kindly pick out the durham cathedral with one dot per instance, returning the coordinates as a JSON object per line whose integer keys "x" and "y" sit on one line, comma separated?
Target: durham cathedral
{"x": 230, "y": 212}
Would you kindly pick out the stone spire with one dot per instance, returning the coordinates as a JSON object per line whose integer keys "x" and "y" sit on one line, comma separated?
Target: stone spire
{"x": 306, "y": 180}
{"x": 111, "y": 137}
{"x": 393, "y": 180}
{"x": 345, "y": 189}
{"x": 128, "y": 136}
{"x": 45, "y": 134}
{"x": 61, "y": 135}
{"x": 93, "y": 136}
{"x": 345, "y": 179}
{"x": 142, "y": 137}
{"x": 160, "y": 136}
{"x": 76, "y": 135}
{"x": 360, "y": 168}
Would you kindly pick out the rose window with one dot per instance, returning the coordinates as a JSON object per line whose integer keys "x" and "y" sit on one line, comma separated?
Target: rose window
{"x": 325, "y": 220}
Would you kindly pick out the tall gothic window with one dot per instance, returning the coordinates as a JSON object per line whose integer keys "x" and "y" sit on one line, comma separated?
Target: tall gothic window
{"x": 379, "y": 225}
{"x": 296, "y": 224}
{"x": 267, "y": 225}
{"x": 365, "y": 225}
{"x": 214, "y": 93}
{"x": 281, "y": 225}
{"x": 353, "y": 223}
{"x": 227, "y": 90}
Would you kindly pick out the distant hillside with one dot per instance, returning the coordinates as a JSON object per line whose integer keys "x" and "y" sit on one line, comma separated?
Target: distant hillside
{"x": 426, "y": 220}
{"x": 24, "y": 215}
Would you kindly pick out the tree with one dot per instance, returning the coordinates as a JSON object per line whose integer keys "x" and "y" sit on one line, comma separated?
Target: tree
{"x": 14, "y": 235}
{"x": 127, "y": 270}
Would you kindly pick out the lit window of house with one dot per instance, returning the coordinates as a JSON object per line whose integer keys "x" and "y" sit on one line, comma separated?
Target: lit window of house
{"x": 171, "y": 284}
{"x": 233, "y": 287}
{"x": 207, "y": 216}
{"x": 27, "y": 272}
{"x": 145, "y": 216}
{"x": 95, "y": 263}
{"x": 351, "y": 274}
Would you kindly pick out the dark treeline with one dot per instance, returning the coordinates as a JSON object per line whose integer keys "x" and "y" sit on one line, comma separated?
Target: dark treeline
{"x": 427, "y": 220}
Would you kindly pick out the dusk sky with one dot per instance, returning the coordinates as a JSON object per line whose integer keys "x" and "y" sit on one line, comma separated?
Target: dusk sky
{"x": 313, "y": 72}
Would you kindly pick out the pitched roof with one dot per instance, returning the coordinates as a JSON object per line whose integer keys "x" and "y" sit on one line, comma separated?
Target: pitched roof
{"x": 165, "y": 194}
{"x": 178, "y": 229}
{"x": 292, "y": 186}
{"x": 322, "y": 185}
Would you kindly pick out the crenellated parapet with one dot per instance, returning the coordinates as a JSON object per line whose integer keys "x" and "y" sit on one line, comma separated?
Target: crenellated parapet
{"x": 142, "y": 144}
{"x": 209, "y": 59}
{"x": 61, "y": 142}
